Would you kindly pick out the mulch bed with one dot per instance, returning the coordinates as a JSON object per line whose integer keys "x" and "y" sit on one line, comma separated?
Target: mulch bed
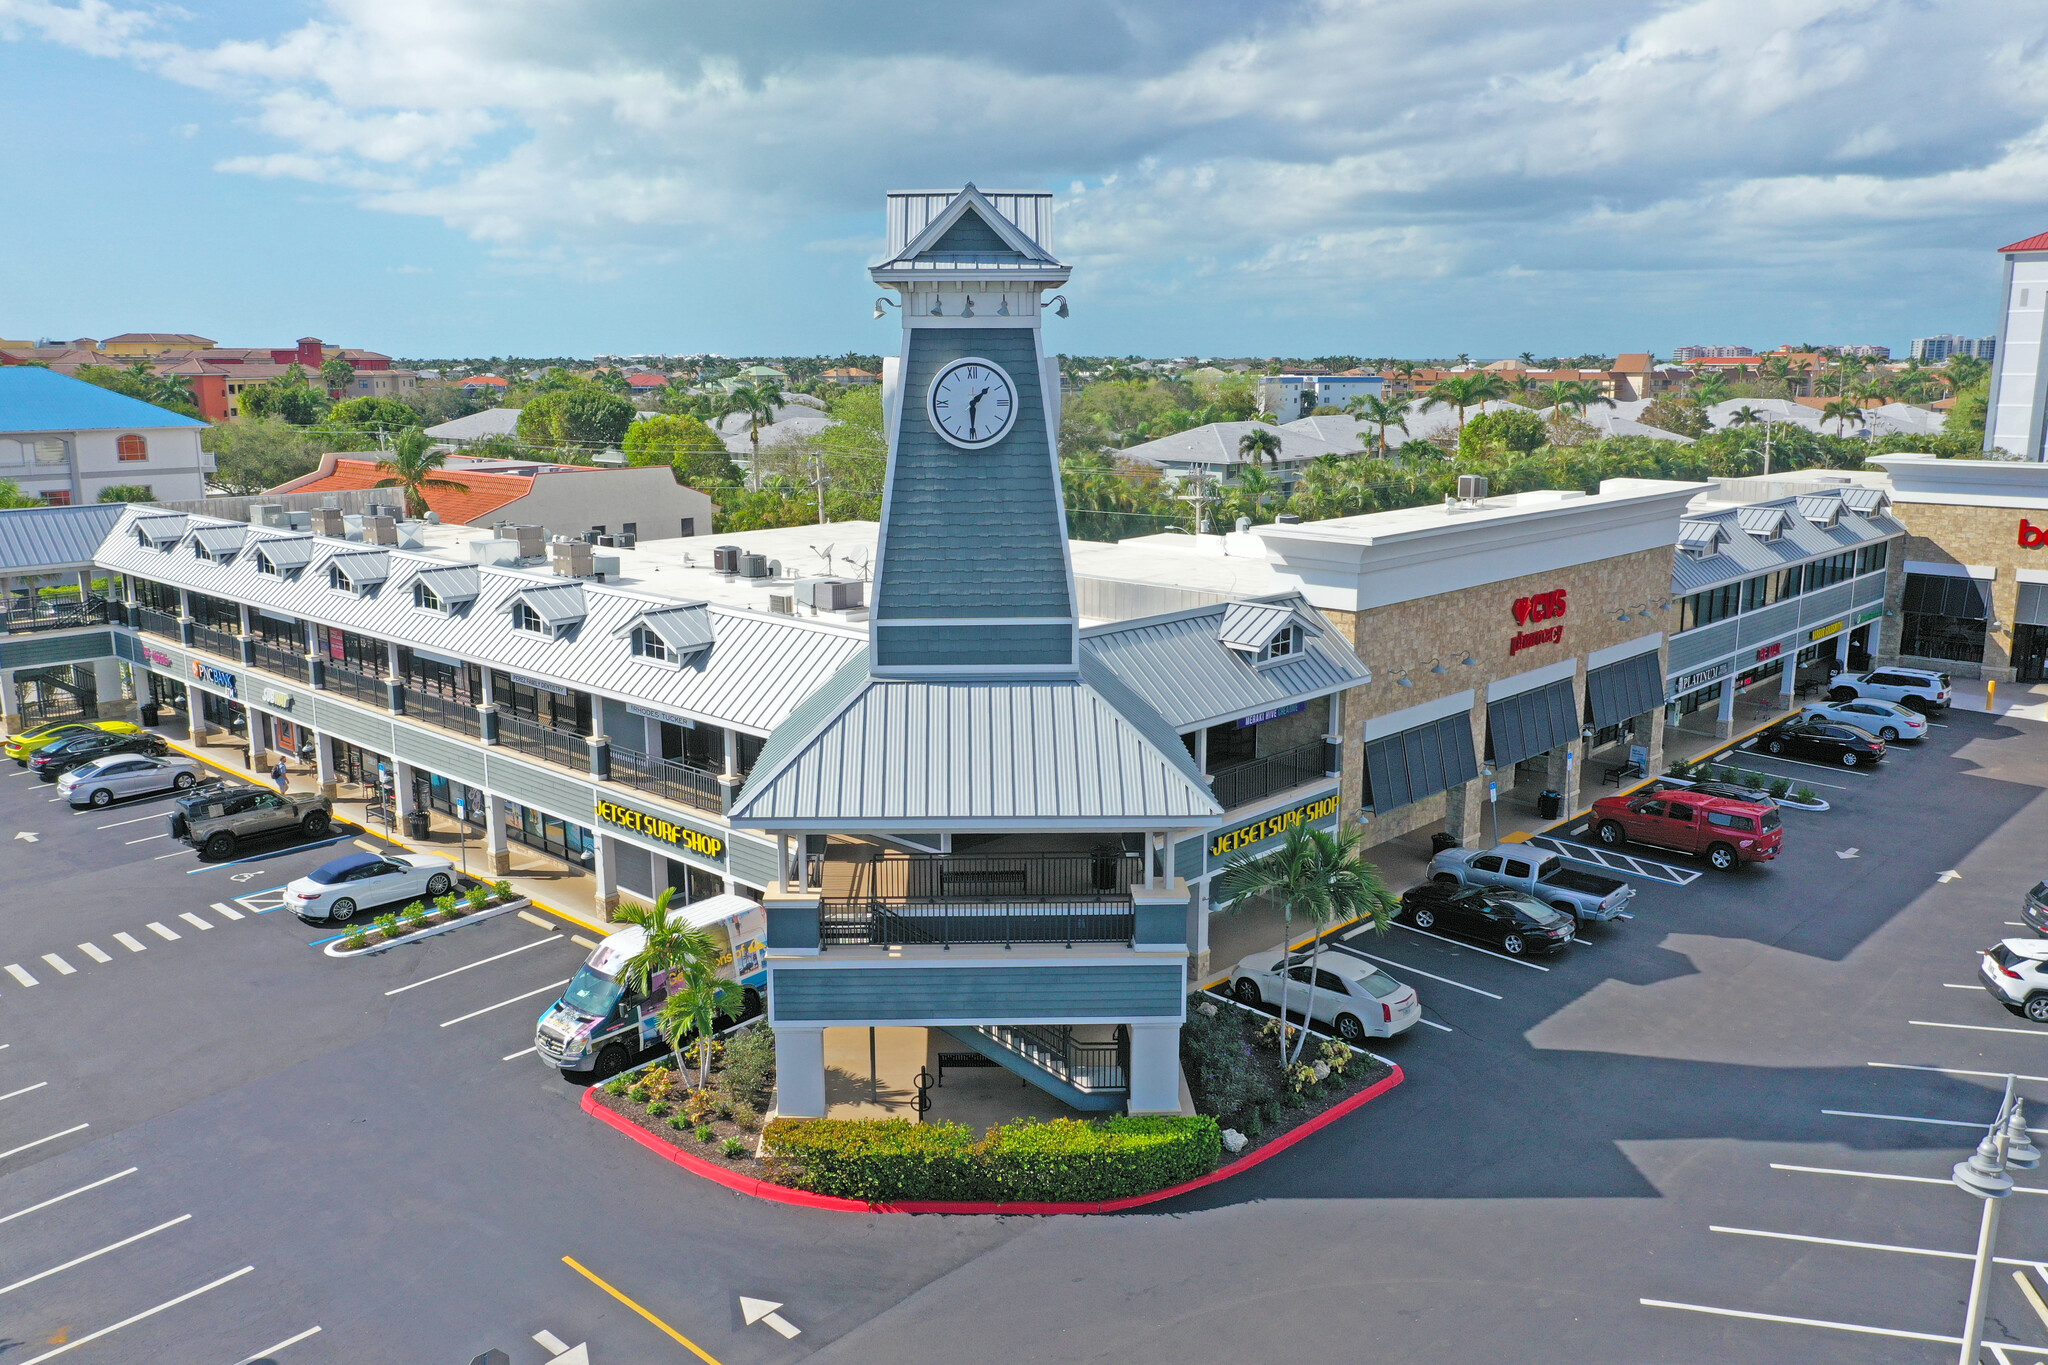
{"x": 1360, "y": 1073}
{"x": 685, "y": 1138}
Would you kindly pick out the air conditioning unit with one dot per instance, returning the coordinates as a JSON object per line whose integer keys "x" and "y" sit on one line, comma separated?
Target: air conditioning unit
{"x": 725, "y": 559}
{"x": 1471, "y": 487}
{"x": 753, "y": 566}
{"x": 782, "y": 603}
{"x": 266, "y": 514}
{"x": 830, "y": 594}
{"x": 627, "y": 540}
{"x": 572, "y": 559}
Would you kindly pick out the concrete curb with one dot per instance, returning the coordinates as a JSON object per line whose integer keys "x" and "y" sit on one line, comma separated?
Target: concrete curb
{"x": 1820, "y": 803}
{"x": 782, "y": 1194}
{"x": 475, "y": 917}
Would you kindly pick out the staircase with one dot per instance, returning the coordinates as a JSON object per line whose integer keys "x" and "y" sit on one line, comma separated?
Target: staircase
{"x": 1086, "y": 1074}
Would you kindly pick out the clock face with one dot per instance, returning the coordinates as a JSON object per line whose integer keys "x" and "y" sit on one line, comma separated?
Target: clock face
{"x": 972, "y": 403}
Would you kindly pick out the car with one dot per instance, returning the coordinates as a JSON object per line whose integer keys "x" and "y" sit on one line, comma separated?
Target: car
{"x": 337, "y": 890}
{"x": 1729, "y": 833}
{"x": 1825, "y": 741}
{"x": 2015, "y": 971}
{"x": 1353, "y": 997}
{"x": 1578, "y": 892}
{"x": 1888, "y": 720}
{"x": 106, "y": 779}
{"x": 214, "y": 822}
{"x": 2034, "y": 909}
{"x": 1923, "y": 689}
{"x": 25, "y": 745}
{"x": 1514, "y": 922}
{"x": 55, "y": 760}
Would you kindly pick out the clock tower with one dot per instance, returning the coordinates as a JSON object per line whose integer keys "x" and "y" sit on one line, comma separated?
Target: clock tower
{"x": 972, "y": 575}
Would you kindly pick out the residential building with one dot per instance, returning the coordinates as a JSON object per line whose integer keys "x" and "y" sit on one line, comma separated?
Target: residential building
{"x": 149, "y": 345}
{"x": 848, "y": 376}
{"x": 484, "y": 381}
{"x": 644, "y": 381}
{"x": 1288, "y": 397}
{"x": 1685, "y": 355}
{"x": 63, "y": 440}
{"x": 477, "y": 426}
{"x": 561, "y": 499}
{"x": 1335, "y": 390}
{"x": 1936, "y": 349}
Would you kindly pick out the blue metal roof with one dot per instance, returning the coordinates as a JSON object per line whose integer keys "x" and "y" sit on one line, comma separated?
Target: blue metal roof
{"x": 41, "y": 539}
{"x": 35, "y": 399}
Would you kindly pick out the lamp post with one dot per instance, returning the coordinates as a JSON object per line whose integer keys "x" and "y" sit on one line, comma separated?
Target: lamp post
{"x": 1984, "y": 1175}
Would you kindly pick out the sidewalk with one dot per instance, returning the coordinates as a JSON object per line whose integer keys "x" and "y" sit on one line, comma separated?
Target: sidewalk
{"x": 2019, "y": 701}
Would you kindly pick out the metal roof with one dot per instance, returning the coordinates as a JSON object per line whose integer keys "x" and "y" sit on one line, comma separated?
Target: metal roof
{"x": 1743, "y": 551}
{"x": 33, "y": 398}
{"x": 47, "y": 538}
{"x": 685, "y": 628}
{"x": 1252, "y": 625}
{"x": 162, "y": 528}
{"x": 287, "y": 552}
{"x": 219, "y": 540}
{"x": 1702, "y": 534}
{"x": 1765, "y": 520}
{"x": 1182, "y": 671}
{"x": 363, "y": 567}
{"x": 557, "y": 604}
{"x": 456, "y": 583}
{"x": 1819, "y": 508}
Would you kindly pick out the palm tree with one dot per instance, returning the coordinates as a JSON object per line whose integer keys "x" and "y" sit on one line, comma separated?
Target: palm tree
{"x": 1255, "y": 487}
{"x": 1842, "y": 411}
{"x": 1260, "y": 443}
{"x": 1744, "y": 416}
{"x": 1580, "y": 394}
{"x": 1710, "y": 389}
{"x": 667, "y": 943}
{"x": 1319, "y": 874}
{"x": 694, "y": 1004}
{"x": 411, "y": 467}
{"x": 1382, "y": 413}
{"x": 757, "y": 402}
{"x": 1464, "y": 391}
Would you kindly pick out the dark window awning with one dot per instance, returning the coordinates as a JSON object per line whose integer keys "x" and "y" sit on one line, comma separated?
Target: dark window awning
{"x": 1531, "y": 723}
{"x": 1405, "y": 767}
{"x": 1946, "y": 595}
{"x": 1626, "y": 689}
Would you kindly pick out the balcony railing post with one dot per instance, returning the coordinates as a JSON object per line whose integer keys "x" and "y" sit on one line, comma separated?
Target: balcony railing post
{"x": 487, "y": 723}
{"x": 247, "y": 644}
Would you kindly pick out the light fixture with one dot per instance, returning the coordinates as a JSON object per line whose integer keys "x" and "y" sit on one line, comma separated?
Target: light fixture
{"x": 1983, "y": 1174}
{"x": 2020, "y": 1150}
{"x": 1004, "y": 310}
{"x": 968, "y": 311}
{"x": 938, "y": 305}
{"x": 880, "y": 304}
{"x": 1436, "y": 666}
{"x": 1404, "y": 681}
{"x": 1059, "y": 303}
{"x": 1622, "y": 616}
{"x": 1469, "y": 661}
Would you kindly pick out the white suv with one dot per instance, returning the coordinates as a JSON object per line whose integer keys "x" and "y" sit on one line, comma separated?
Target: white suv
{"x": 2017, "y": 977}
{"x": 1922, "y": 689}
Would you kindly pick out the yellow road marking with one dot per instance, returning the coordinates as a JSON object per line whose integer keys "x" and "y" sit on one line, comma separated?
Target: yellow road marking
{"x": 535, "y": 919}
{"x": 2033, "y": 1296}
{"x": 699, "y": 1351}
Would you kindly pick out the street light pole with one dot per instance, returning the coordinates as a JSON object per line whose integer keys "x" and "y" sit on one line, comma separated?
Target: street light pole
{"x": 1984, "y": 1175}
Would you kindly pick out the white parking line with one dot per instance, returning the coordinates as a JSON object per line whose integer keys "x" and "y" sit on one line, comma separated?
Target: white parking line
{"x": 1979, "y": 1028}
{"x": 129, "y": 942}
{"x": 525, "y": 1052}
{"x": 513, "y": 1001}
{"x": 14, "y": 970}
{"x": 1951, "y": 1071}
{"x": 167, "y": 935}
{"x": 1416, "y": 971}
{"x": 1800, "y": 1322}
{"x": 195, "y": 921}
{"x": 1475, "y": 948}
{"x": 268, "y": 1352}
{"x": 17, "y": 1151}
{"x": 1804, "y": 763}
{"x": 94, "y": 1255}
{"x": 179, "y": 854}
{"x": 1908, "y": 1118}
{"x": 228, "y": 913}
{"x": 145, "y": 1313}
{"x": 37, "y": 1208}
{"x": 136, "y": 821}
{"x": 150, "y": 838}
{"x": 1434, "y": 1024}
{"x": 92, "y": 950}
{"x": 24, "y": 1090}
{"x": 1962, "y": 986}
{"x": 1853, "y": 1246}
{"x": 63, "y": 968}
{"x": 478, "y": 963}
{"x": 1886, "y": 1175}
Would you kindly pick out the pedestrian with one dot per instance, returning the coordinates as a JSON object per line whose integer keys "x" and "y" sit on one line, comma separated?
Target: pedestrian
{"x": 280, "y": 774}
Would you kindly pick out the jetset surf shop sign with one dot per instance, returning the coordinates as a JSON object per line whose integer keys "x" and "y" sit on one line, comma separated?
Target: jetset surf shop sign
{"x": 661, "y": 829}
{"x": 1272, "y": 827}
{"x": 1535, "y": 608}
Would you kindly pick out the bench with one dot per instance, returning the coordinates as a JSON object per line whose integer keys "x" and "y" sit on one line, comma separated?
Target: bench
{"x": 961, "y": 1059}
{"x": 1612, "y": 777}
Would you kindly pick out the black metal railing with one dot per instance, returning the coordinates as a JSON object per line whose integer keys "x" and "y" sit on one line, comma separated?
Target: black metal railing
{"x": 667, "y": 777}
{"x": 1097, "y": 1066}
{"x": 977, "y": 878}
{"x": 1262, "y": 777}
{"x": 446, "y": 712}
{"x": 156, "y": 622}
{"x": 879, "y": 924}
{"x": 538, "y": 741}
{"x": 350, "y": 683}
{"x": 216, "y": 642}
{"x": 283, "y": 662}
{"x": 23, "y": 618}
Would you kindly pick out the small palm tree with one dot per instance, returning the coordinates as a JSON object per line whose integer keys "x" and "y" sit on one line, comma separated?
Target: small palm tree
{"x": 1382, "y": 413}
{"x": 694, "y": 1004}
{"x": 1710, "y": 389}
{"x": 1464, "y": 391}
{"x": 1261, "y": 443}
{"x": 1255, "y": 488}
{"x": 1580, "y": 394}
{"x": 1744, "y": 416}
{"x": 411, "y": 467}
{"x": 1841, "y": 411}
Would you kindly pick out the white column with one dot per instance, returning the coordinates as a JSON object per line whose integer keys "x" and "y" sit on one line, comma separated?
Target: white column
{"x": 402, "y": 788}
{"x": 1155, "y": 1068}
{"x": 195, "y": 716}
{"x": 1202, "y": 931}
{"x": 256, "y": 731}
{"x": 605, "y": 866}
{"x": 499, "y": 856}
{"x": 1724, "y": 715}
{"x": 800, "y": 1072}
{"x": 650, "y": 737}
{"x": 10, "y": 708}
{"x": 323, "y": 764}
{"x": 1788, "y": 681}
{"x": 1842, "y": 647}
{"x": 111, "y": 687}
{"x": 732, "y": 752}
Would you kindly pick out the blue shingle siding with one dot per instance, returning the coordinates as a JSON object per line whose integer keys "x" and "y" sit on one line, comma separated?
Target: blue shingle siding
{"x": 38, "y": 651}
{"x": 970, "y": 235}
{"x": 622, "y": 727}
{"x": 751, "y": 861}
{"x": 443, "y": 757}
{"x": 1695, "y": 647}
{"x": 1829, "y": 602}
{"x": 634, "y": 868}
{"x": 1761, "y": 627}
{"x": 535, "y": 786}
{"x": 1868, "y": 589}
{"x": 353, "y": 725}
{"x": 993, "y": 994}
{"x": 973, "y": 533}
{"x": 940, "y": 646}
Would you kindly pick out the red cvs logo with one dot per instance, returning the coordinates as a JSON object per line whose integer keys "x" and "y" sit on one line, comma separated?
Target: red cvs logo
{"x": 2032, "y": 537}
{"x": 1545, "y": 606}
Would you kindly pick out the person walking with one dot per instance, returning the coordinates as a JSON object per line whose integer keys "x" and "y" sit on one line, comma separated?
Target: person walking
{"x": 281, "y": 775}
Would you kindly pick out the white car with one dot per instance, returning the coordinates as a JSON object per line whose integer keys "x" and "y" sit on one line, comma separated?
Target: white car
{"x": 1888, "y": 720}
{"x": 1920, "y": 688}
{"x": 362, "y": 881}
{"x": 105, "y": 780}
{"x": 2015, "y": 971}
{"x": 1355, "y": 998}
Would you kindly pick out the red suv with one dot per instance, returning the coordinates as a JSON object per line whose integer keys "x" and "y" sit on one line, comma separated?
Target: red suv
{"x": 1727, "y": 831}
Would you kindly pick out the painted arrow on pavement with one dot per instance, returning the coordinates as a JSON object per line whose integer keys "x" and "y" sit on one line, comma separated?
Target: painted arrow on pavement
{"x": 24, "y": 834}
{"x": 1950, "y": 876}
{"x": 1847, "y": 852}
{"x": 763, "y": 1310}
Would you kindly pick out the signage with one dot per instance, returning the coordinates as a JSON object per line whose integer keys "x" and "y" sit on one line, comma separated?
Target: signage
{"x": 664, "y": 717}
{"x": 278, "y": 697}
{"x": 1770, "y": 651}
{"x": 213, "y": 677}
{"x": 1244, "y": 836}
{"x": 542, "y": 684}
{"x": 662, "y": 830}
{"x": 1868, "y": 614}
{"x": 1529, "y": 639}
{"x": 1700, "y": 677}
{"x": 2032, "y": 537}
{"x": 1542, "y": 606}
{"x": 158, "y": 657}
{"x": 1246, "y": 722}
{"x": 1823, "y": 632}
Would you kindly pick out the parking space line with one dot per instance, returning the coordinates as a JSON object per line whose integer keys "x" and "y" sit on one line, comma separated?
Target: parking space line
{"x": 1952, "y": 1071}
{"x": 1962, "y": 986}
{"x": 136, "y": 821}
{"x": 513, "y": 1001}
{"x": 270, "y": 1351}
{"x": 1412, "y": 971}
{"x": 17, "y": 1151}
{"x": 94, "y": 1255}
{"x": 14, "y": 970}
{"x": 1434, "y": 1024}
{"x": 24, "y": 1090}
{"x": 1854, "y": 1246}
{"x": 129, "y": 942}
{"x": 92, "y": 950}
{"x": 224, "y": 911}
{"x": 63, "y": 968}
{"x": 195, "y": 921}
{"x": 524, "y": 1052}
{"x": 679, "y": 1338}
{"x": 167, "y": 935}
{"x": 183, "y": 852}
{"x": 150, "y": 838}
{"x": 131, "y": 1321}
{"x": 1474, "y": 947}
{"x": 58, "y": 1199}
{"x": 1908, "y": 1118}
{"x": 1803, "y": 1322}
{"x": 1980, "y": 1028}
{"x": 1886, "y": 1175}
{"x": 1618, "y": 862}
{"x": 257, "y": 857}
{"x": 556, "y": 938}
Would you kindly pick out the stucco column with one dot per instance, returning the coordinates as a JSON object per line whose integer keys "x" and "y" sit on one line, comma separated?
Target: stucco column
{"x": 1464, "y": 812}
{"x": 1788, "y": 680}
{"x": 1155, "y": 1069}
{"x": 495, "y": 851}
{"x": 1650, "y": 734}
{"x": 10, "y": 706}
{"x": 1842, "y": 648}
{"x": 800, "y": 1072}
{"x": 196, "y": 728}
{"x": 323, "y": 765}
{"x": 605, "y": 866}
{"x": 1567, "y": 767}
{"x": 1724, "y": 714}
{"x": 402, "y": 788}
{"x": 111, "y": 687}
{"x": 258, "y": 734}
{"x": 1199, "y": 939}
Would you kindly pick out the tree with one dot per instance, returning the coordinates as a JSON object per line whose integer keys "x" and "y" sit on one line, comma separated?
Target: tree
{"x": 371, "y": 417}
{"x": 1253, "y": 490}
{"x": 1507, "y": 429}
{"x": 1382, "y": 413}
{"x": 1580, "y": 394}
{"x": 1841, "y": 411}
{"x": 575, "y": 419}
{"x": 1677, "y": 413}
{"x": 1744, "y": 416}
{"x": 1464, "y": 391}
{"x": 1260, "y": 444}
{"x": 12, "y": 496}
{"x": 757, "y": 403}
{"x": 612, "y": 381}
{"x": 694, "y": 1006}
{"x": 337, "y": 374}
{"x": 127, "y": 492}
{"x": 1710, "y": 389}
{"x": 258, "y": 453}
{"x": 695, "y": 451}
{"x": 411, "y": 467}
{"x": 138, "y": 381}
{"x": 290, "y": 396}
{"x": 1322, "y": 876}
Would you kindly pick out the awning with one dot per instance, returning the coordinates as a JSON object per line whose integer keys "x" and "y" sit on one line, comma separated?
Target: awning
{"x": 1961, "y": 599}
{"x": 1531, "y": 722}
{"x": 1625, "y": 689}
{"x": 1411, "y": 764}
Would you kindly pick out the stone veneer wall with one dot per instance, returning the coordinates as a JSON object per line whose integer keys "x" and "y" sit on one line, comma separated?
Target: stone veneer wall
{"x": 1963, "y": 535}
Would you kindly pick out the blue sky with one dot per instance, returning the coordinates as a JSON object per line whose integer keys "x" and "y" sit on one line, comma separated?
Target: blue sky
{"x": 431, "y": 177}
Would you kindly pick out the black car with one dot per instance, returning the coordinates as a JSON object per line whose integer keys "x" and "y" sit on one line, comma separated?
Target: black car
{"x": 2034, "y": 910}
{"x": 1825, "y": 740}
{"x": 54, "y": 760}
{"x": 1517, "y": 923}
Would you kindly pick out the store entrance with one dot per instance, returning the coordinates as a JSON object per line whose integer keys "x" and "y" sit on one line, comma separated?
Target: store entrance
{"x": 2030, "y": 653}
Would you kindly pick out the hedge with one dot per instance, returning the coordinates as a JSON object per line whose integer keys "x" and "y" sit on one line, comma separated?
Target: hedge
{"x": 1060, "y": 1160}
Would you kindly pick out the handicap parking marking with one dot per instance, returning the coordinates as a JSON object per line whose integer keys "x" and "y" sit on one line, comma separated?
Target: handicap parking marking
{"x": 1618, "y": 862}
{"x": 261, "y": 902}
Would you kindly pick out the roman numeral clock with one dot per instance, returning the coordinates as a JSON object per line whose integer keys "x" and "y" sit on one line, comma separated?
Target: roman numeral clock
{"x": 972, "y": 403}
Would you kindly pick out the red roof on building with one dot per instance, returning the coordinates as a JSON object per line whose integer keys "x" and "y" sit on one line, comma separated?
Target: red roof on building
{"x": 479, "y": 496}
{"x": 2037, "y": 242}
{"x": 647, "y": 381}
{"x": 491, "y": 380}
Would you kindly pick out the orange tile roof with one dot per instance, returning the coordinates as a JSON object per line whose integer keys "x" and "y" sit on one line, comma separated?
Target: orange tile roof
{"x": 483, "y": 379}
{"x": 2037, "y": 242}
{"x": 480, "y": 495}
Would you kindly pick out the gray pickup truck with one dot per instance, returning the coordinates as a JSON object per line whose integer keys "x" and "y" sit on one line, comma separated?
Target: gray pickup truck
{"x": 215, "y": 821}
{"x": 1546, "y": 876}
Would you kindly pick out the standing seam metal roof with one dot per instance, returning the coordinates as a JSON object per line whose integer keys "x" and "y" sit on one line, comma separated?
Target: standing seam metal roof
{"x": 34, "y": 538}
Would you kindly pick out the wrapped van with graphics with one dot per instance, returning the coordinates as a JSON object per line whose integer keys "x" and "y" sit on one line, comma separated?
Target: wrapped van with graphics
{"x": 602, "y": 1024}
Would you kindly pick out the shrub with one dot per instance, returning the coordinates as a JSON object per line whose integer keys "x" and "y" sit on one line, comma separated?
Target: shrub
{"x": 658, "y": 1109}
{"x": 1680, "y": 768}
{"x": 733, "y": 1149}
{"x": 704, "y": 1133}
{"x": 697, "y": 1104}
{"x": 1218, "y": 1056}
{"x": 615, "y": 1087}
{"x": 1337, "y": 1054}
{"x": 750, "y": 1063}
{"x": 639, "y": 1094}
{"x": 746, "y": 1116}
{"x": 658, "y": 1079}
{"x": 1779, "y": 786}
{"x": 502, "y": 890}
{"x": 1805, "y": 794}
{"x": 357, "y": 937}
{"x": 678, "y": 1122}
{"x": 387, "y": 925}
{"x": 448, "y": 905}
{"x": 478, "y": 896}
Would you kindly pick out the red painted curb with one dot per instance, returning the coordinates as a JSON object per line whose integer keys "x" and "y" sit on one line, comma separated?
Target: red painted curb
{"x": 782, "y": 1194}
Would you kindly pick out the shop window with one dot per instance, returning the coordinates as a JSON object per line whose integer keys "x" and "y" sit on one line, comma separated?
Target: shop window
{"x": 1705, "y": 608}
{"x": 131, "y": 447}
{"x": 1943, "y": 618}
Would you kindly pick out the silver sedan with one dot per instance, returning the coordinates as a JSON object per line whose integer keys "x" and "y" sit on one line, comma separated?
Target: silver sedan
{"x": 105, "y": 780}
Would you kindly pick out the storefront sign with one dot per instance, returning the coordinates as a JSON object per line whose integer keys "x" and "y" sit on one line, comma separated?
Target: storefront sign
{"x": 213, "y": 677}
{"x": 2032, "y": 537}
{"x": 543, "y": 685}
{"x": 1868, "y": 614}
{"x": 1823, "y": 632}
{"x": 1542, "y": 606}
{"x": 662, "y": 830}
{"x": 1246, "y": 722}
{"x": 157, "y": 657}
{"x": 1700, "y": 677}
{"x": 1272, "y": 826}
{"x": 1770, "y": 651}
{"x": 664, "y": 717}
{"x": 277, "y": 697}
{"x": 1529, "y": 639}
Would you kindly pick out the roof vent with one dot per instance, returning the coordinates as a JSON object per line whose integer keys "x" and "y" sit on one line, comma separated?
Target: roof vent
{"x": 1287, "y": 519}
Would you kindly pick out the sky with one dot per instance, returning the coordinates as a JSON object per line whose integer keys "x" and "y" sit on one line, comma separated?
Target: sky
{"x": 1291, "y": 177}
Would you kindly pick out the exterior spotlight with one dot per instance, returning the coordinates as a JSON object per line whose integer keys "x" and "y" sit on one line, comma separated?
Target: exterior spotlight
{"x": 880, "y": 304}
{"x": 1004, "y": 310}
{"x": 1469, "y": 662}
{"x": 1059, "y": 304}
{"x": 968, "y": 311}
{"x": 1438, "y": 668}
{"x": 938, "y": 305}
{"x": 1403, "y": 681}
{"x": 1984, "y": 1174}
{"x": 2020, "y": 1150}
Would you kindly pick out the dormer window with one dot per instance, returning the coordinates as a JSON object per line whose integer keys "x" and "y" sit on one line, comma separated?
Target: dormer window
{"x": 263, "y": 564}
{"x": 338, "y": 580}
{"x": 1283, "y": 645}
{"x": 423, "y": 598}
{"x": 648, "y": 645}
{"x": 526, "y": 618}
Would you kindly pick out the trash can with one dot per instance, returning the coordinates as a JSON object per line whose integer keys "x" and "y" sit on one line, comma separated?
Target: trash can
{"x": 1550, "y": 805}
{"x": 1440, "y": 841}
{"x": 151, "y": 715}
{"x": 418, "y": 825}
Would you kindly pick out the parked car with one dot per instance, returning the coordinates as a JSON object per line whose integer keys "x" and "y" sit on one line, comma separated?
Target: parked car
{"x": 214, "y": 822}
{"x": 1920, "y": 688}
{"x": 54, "y": 760}
{"x": 2034, "y": 909}
{"x": 104, "y": 780}
{"x": 1514, "y": 922}
{"x": 1729, "y": 833}
{"x": 25, "y": 745}
{"x": 1353, "y": 997}
{"x": 2015, "y": 971}
{"x": 337, "y": 890}
{"x": 1824, "y": 741}
{"x": 1888, "y": 720}
{"x": 1581, "y": 894}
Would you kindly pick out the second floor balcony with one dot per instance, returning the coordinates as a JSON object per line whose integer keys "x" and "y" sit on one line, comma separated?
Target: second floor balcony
{"x": 891, "y": 899}
{"x": 1243, "y": 783}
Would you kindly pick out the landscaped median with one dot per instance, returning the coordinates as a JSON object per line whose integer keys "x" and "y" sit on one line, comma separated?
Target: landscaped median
{"x": 1025, "y": 1166}
{"x": 423, "y": 919}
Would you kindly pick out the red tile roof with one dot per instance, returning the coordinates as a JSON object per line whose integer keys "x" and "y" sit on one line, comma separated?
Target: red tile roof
{"x": 647, "y": 381}
{"x": 2037, "y": 242}
{"x": 480, "y": 495}
{"x": 488, "y": 379}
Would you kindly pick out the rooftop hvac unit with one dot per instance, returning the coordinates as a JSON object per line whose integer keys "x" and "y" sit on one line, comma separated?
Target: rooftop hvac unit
{"x": 782, "y": 603}
{"x": 266, "y": 514}
{"x": 527, "y": 538}
{"x": 607, "y": 542}
{"x": 327, "y": 521}
{"x": 627, "y": 540}
{"x": 753, "y": 566}
{"x": 830, "y": 594}
{"x": 380, "y": 530}
{"x": 1471, "y": 487}
{"x": 572, "y": 559}
{"x": 725, "y": 559}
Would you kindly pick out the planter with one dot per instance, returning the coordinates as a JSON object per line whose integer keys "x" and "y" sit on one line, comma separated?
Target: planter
{"x": 339, "y": 947}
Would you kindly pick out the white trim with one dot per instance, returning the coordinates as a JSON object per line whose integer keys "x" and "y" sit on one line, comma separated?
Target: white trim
{"x": 1500, "y": 689}
{"x": 1614, "y": 654}
{"x": 2030, "y": 575}
{"x": 1941, "y": 570}
{"x": 1394, "y": 722}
